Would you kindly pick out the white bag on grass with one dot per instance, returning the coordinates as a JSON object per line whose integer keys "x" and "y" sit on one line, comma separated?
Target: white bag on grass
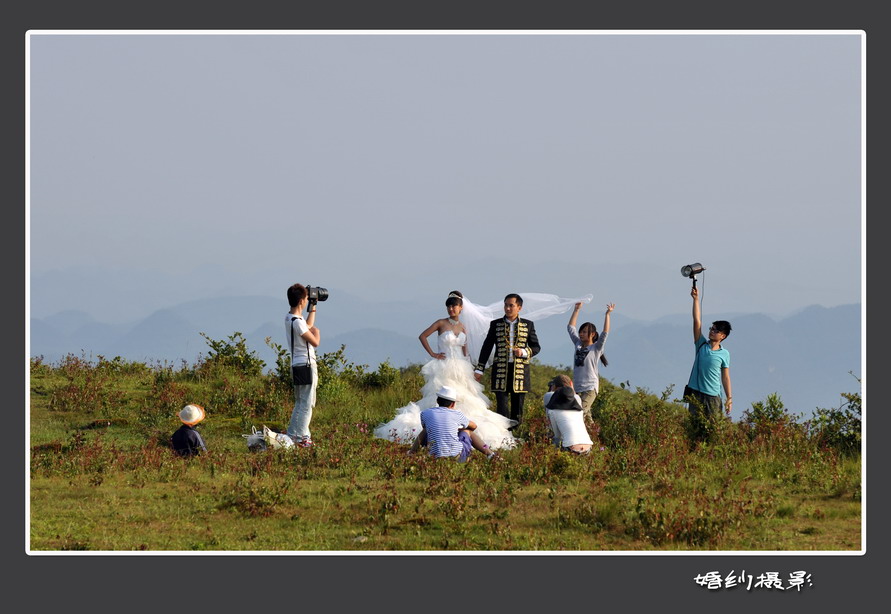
{"x": 262, "y": 439}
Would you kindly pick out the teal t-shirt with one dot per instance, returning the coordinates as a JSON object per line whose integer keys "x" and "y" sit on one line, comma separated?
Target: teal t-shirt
{"x": 706, "y": 374}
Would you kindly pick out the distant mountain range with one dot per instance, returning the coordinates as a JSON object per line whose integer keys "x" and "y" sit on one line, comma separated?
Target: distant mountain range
{"x": 119, "y": 296}
{"x": 805, "y": 357}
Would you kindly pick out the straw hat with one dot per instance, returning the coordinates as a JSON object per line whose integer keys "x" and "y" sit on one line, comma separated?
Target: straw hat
{"x": 191, "y": 414}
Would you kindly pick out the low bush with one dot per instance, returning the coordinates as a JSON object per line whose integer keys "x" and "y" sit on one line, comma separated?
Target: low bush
{"x": 633, "y": 419}
{"x": 839, "y": 427}
{"x": 232, "y": 352}
{"x": 87, "y": 389}
{"x": 768, "y": 418}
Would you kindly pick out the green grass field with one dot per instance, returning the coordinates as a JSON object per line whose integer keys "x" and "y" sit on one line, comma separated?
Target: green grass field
{"x": 103, "y": 478}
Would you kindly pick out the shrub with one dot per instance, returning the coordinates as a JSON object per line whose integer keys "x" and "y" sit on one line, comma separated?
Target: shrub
{"x": 164, "y": 372}
{"x": 282, "y": 371}
{"x": 165, "y": 401}
{"x": 39, "y": 368}
{"x": 248, "y": 399}
{"x": 767, "y": 418}
{"x": 120, "y": 366}
{"x": 233, "y": 353}
{"x": 839, "y": 427}
{"x": 385, "y": 376}
{"x": 627, "y": 418}
{"x": 337, "y": 376}
{"x": 87, "y": 389}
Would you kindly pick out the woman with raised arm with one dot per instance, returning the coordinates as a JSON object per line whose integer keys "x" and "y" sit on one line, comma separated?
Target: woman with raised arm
{"x": 588, "y": 350}
{"x": 450, "y": 367}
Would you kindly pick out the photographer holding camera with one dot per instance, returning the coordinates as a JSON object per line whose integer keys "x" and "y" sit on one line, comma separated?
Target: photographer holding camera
{"x": 303, "y": 339}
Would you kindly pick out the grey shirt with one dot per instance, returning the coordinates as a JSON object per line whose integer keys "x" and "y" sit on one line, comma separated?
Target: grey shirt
{"x": 586, "y": 376}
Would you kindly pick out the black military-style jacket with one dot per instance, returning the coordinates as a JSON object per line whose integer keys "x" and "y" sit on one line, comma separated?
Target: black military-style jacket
{"x": 498, "y": 338}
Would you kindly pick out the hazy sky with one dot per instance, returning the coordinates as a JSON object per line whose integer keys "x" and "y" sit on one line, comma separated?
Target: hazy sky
{"x": 356, "y": 157}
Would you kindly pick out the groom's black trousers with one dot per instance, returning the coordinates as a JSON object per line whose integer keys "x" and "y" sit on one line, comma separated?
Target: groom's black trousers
{"x": 510, "y": 404}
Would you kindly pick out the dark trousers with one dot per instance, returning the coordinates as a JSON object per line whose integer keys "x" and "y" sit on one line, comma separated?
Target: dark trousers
{"x": 698, "y": 401}
{"x": 705, "y": 410}
{"x": 514, "y": 400}
{"x": 510, "y": 404}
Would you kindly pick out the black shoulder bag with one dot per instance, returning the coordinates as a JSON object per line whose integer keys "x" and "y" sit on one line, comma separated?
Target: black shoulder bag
{"x": 300, "y": 374}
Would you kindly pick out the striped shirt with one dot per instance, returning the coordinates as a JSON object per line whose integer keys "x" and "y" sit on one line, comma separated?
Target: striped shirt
{"x": 442, "y": 426}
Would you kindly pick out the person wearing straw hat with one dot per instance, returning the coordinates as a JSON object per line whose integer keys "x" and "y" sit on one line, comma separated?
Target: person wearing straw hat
{"x": 447, "y": 432}
{"x": 186, "y": 440}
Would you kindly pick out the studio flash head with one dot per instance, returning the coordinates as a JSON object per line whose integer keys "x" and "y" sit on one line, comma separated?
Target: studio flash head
{"x": 690, "y": 270}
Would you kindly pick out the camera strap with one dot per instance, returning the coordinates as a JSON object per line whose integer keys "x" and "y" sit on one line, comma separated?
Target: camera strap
{"x": 697, "y": 345}
{"x": 308, "y": 361}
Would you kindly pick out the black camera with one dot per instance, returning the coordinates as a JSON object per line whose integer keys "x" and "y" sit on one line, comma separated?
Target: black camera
{"x": 316, "y": 294}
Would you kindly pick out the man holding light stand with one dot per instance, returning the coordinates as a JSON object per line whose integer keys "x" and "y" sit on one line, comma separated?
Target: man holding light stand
{"x": 711, "y": 367}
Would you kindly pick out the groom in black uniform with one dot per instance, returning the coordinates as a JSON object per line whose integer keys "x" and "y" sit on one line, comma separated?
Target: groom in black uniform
{"x": 515, "y": 344}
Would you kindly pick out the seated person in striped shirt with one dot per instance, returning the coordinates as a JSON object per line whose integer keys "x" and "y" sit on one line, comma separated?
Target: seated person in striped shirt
{"x": 447, "y": 432}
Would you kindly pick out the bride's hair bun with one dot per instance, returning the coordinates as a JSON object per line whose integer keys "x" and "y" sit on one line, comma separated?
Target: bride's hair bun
{"x": 455, "y": 298}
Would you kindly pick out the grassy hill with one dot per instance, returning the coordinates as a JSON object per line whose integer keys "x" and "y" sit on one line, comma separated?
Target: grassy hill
{"x": 104, "y": 478}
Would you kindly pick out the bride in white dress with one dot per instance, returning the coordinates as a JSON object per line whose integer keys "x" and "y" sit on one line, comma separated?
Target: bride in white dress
{"x": 459, "y": 343}
{"x": 450, "y": 366}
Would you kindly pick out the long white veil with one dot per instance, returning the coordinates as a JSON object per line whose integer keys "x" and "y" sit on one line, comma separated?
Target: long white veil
{"x": 536, "y": 306}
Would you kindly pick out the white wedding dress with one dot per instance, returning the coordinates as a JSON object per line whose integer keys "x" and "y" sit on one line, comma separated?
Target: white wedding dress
{"x": 455, "y": 371}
